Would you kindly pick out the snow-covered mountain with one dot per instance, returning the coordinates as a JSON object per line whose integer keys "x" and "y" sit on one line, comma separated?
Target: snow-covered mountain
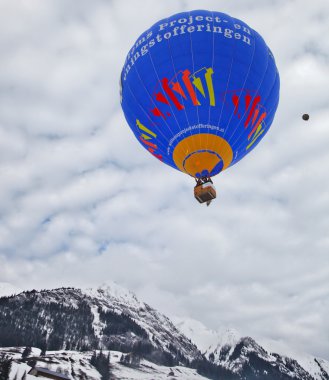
{"x": 238, "y": 354}
{"x": 67, "y": 325}
{"x": 207, "y": 340}
{"x": 109, "y": 317}
{"x": 317, "y": 367}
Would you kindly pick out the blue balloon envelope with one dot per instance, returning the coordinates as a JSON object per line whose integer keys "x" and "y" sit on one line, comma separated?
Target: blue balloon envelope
{"x": 200, "y": 90}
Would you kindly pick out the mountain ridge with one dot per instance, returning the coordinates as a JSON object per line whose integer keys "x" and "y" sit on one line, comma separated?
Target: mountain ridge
{"x": 113, "y": 318}
{"x": 230, "y": 337}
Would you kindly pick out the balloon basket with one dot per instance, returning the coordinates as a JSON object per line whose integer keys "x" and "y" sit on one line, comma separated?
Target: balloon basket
{"x": 205, "y": 192}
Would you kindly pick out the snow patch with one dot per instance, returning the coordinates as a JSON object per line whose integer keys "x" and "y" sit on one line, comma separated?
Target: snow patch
{"x": 207, "y": 340}
{"x": 113, "y": 290}
{"x": 77, "y": 366}
{"x": 308, "y": 362}
{"x": 97, "y": 324}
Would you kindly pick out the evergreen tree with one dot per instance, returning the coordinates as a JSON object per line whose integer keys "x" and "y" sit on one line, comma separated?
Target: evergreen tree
{"x": 93, "y": 359}
{"x": 32, "y": 363}
{"x": 27, "y": 352}
{"x": 5, "y": 367}
{"x": 73, "y": 373}
{"x": 43, "y": 350}
{"x": 102, "y": 363}
{"x": 23, "y": 321}
{"x": 132, "y": 359}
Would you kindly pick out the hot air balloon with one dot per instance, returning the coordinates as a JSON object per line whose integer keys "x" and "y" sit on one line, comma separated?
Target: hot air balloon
{"x": 200, "y": 90}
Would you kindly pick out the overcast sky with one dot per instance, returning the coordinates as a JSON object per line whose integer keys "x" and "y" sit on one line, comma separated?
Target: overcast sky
{"x": 81, "y": 202}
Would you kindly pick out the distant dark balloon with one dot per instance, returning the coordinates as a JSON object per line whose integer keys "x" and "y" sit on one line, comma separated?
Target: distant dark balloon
{"x": 306, "y": 116}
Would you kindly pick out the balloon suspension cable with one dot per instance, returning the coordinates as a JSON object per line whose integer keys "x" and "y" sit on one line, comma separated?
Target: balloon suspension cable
{"x": 203, "y": 180}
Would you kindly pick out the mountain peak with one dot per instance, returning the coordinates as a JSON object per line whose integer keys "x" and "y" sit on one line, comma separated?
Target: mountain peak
{"x": 108, "y": 317}
{"x": 114, "y": 291}
{"x": 112, "y": 318}
{"x": 206, "y": 339}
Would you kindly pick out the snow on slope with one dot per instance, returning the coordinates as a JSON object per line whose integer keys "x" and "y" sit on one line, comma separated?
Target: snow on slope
{"x": 151, "y": 371}
{"x": 209, "y": 341}
{"x": 78, "y": 364}
{"x": 19, "y": 370}
{"x": 111, "y": 290}
{"x": 311, "y": 364}
{"x": 7, "y": 289}
{"x": 206, "y": 340}
{"x": 116, "y": 298}
{"x": 159, "y": 331}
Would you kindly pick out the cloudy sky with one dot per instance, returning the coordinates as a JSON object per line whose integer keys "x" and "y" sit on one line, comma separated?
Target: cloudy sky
{"x": 81, "y": 202}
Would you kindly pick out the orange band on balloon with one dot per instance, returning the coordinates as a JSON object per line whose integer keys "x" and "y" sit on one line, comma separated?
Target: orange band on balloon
{"x": 208, "y": 151}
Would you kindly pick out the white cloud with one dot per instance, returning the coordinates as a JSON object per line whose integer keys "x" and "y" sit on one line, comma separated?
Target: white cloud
{"x": 82, "y": 202}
